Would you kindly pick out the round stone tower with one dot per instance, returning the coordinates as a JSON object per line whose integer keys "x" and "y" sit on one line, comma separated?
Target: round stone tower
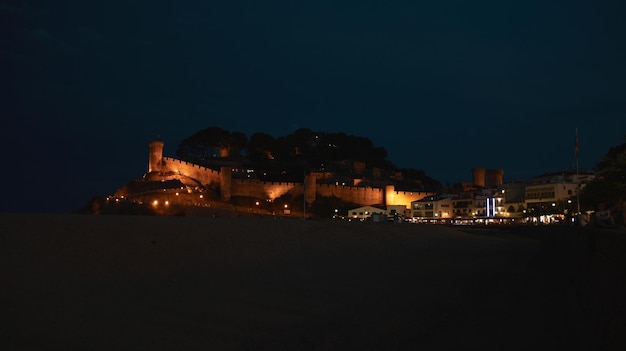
{"x": 479, "y": 176}
{"x": 156, "y": 156}
{"x": 493, "y": 177}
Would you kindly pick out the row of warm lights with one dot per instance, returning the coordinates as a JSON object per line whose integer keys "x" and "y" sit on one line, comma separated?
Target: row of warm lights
{"x": 156, "y": 202}
{"x": 116, "y": 198}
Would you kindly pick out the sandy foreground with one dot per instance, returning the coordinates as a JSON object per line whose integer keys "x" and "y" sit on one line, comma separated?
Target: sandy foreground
{"x": 78, "y": 282}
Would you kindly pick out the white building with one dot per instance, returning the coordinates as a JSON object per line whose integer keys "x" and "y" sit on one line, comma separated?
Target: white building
{"x": 481, "y": 206}
{"x": 432, "y": 208}
{"x": 550, "y": 196}
{"x": 365, "y": 212}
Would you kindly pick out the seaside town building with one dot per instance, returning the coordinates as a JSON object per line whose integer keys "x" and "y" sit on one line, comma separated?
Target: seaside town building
{"x": 365, "y": 212}
{"x": 432, "y": 209}
{"x": 549, "y": 197}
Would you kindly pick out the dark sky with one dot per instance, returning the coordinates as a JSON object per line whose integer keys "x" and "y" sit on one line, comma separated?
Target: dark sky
{"x": 444, "y": 86}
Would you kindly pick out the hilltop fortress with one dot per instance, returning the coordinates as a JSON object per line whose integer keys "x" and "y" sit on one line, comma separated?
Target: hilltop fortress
{"x": 181, "y": 179}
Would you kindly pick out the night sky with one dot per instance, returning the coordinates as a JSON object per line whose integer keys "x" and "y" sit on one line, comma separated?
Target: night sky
{"x": 443, "y": 86}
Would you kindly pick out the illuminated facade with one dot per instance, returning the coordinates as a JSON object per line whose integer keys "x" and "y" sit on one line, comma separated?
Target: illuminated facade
{"x": 365, "y": 212}
{"x": 432, "y": 208}
{"x": 484, "y": 204}
{"x": 549, "y": 197}
{"x": 225, "y": 181}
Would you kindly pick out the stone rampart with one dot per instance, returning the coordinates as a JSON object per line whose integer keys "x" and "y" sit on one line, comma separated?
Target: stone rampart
{"x": 203, "y": 174}
{"x": 271, "y": 190}
{"x": 393, "y": 197}
{"x": 264, "y": 190}
{"x": 360, "y": 195}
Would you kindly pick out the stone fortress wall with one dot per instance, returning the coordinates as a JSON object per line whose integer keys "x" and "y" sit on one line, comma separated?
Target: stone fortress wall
{"x": 229, "y": 187}
{"x": 203, "y": 174}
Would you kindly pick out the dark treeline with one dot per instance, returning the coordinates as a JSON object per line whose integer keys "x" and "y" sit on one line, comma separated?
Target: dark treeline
{"x": 609, "y": 184}
{"x": 287, "y": 158}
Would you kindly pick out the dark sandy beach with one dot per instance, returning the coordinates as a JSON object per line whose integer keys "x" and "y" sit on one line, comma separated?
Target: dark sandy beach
{"x": 74, "y": 282}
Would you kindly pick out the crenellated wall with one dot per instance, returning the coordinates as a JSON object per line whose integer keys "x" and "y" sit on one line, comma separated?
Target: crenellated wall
{"x": 364, "y": 196}
{"x": 264, "y": 190}
{"x": 271, "y": 190}
{"x": 403, "y": 197}
{"x": 202, "y": 174}
{"x": 359, "y": 195}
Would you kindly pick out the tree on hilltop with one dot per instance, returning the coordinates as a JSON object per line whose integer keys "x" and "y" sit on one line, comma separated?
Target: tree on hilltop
{"x": 211, "y": 142}
{"x": 609, "y": 185}
{"x": 261, "y": 146}
{"x": 286, "y": 158}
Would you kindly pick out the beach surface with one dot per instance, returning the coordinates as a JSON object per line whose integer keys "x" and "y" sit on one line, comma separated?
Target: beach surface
{"x": 81, "y": 282}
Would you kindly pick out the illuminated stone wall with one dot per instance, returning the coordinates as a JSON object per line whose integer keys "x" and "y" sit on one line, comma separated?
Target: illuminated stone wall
{"x": 393, "y": 197}
{"x": 271, "y": 190}
{"x": 264, "y": 190}
{"x": 202, "y": 174}
{"x": 358, "y": 195}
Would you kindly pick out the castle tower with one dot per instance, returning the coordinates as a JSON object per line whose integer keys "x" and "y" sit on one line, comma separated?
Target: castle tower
{"x": 479, "y": 176}
{"x": 390, "y": 195}
{"x": 156, "y": 156}
{"x": 310, "y": 183}
{"x": 493, "y": 177}
{"x": 226, "y": 178}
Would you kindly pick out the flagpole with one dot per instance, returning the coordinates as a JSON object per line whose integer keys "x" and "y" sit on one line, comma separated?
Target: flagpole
{"x": 577, "y": 175}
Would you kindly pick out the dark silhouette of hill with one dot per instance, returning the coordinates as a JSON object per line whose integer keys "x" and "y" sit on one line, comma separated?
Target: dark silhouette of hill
{"x": 339, "y": 156}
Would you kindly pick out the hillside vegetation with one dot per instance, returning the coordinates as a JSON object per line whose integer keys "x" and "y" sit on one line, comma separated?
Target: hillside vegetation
{"x": 286, "y": 158}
